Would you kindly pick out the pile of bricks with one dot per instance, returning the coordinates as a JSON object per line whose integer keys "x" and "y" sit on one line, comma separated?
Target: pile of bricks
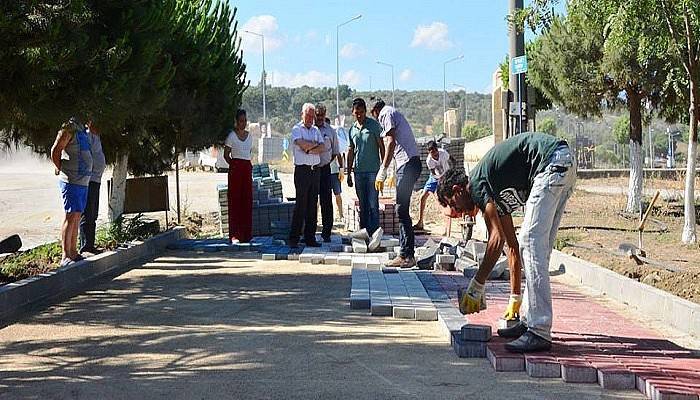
{"x": 454, "y": 146}
{"x": 388, "y": 219}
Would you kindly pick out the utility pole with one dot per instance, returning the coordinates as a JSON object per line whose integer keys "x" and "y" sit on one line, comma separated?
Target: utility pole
{"x": 337, "y": 62}
{"x": 517, "y": 49}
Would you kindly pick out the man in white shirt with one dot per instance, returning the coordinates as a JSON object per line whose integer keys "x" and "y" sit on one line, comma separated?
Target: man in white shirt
{"x": 307, "y": 144}
{"x": 438, "y": 162}
{"x": 328, "y": 156}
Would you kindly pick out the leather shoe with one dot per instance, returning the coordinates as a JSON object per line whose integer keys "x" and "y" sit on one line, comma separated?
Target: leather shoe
{"x": 528, "y": 343}
{"x": 513, "y": 332}
{"x": 312, "y": 243}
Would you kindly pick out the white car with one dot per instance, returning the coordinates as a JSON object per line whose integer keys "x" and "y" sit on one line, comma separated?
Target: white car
{"x": 213, "y": 158}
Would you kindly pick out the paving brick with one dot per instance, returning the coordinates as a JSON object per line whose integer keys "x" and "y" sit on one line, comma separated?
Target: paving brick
{"x": 578, "y": 372}
{"x": 380, "y": 302}
{"x": 330, "y": 259}
{"x": 476, "y": 333}
{"x": 268, "y": 257}
{"x": 542, "y": 367}
{"x": 293, "y": 256}
{"x": 616, "y": 378}
{"x": 466, "y": 349}
{"x": 359, "y": 246}
{"x": 445, "y": 259}
{"x": 305, "y": 258}
{"x": 404, "y": 312}
{"x": 426, "y": 314}
{"x": 347, "y": 249}
{"x": 502, "y": 361}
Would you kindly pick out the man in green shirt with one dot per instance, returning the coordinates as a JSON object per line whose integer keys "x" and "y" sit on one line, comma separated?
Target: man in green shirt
{"x": 365, "y": 150}
{"x": 534, "y": 170}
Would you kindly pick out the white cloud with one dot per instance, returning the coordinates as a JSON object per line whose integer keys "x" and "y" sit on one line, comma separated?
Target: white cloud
{"x": 352, "y": 50}
{"x": 351, "y": 78}
{"x": 406, "y": 75}
{"x": 433, "y": 36}
{"x": 310, "y": 78}
{"x": 265, "y": 25}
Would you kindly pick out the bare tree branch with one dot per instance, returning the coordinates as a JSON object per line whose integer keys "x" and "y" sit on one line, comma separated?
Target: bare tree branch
{"x": 675, "y": 36}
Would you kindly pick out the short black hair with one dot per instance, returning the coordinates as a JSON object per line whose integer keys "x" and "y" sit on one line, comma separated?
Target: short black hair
{"x": 377, "y": 103}
{"x": 453, "y": 176}
{"x": 432, "y": 145}
{"x": 240, "y": 113}
{"x": 359, "y": 102}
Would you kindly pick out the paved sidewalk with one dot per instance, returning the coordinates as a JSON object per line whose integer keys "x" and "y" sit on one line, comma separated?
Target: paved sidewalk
{"x": 593, "y": 343}
{"x": 192, "y": 325}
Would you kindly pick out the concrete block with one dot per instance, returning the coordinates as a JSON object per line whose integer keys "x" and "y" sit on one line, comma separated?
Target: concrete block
{"x": 359, "y": 246}
{"x": 404, "y": 312}
{"x": 330, "y": 259}
{"x": 344, "y": 260}
{"x": 381, "y": 309}
{"x": 476, "y": 333}
{"x": 317, "y": 259}
{"x": 426, "y": 314}
{"x": 359, "y": 303}
{"x": 347, "y": 249}
{"x": 373, "y": 263}
{"x": 616, "y": 379}
{"x": 268, "y": 257}
{"x": 389, "y": 243}
{"x": 305, "y": 258}
{"x": 578, "y": 372}
{"x": 445, "y": 259}
{"x": 505, "y": 362}
{"x": 293, "y": 256}
{"x": 397, "y": 249}
{"x": 542, "y": 367}
{"x": 465, "y": 349}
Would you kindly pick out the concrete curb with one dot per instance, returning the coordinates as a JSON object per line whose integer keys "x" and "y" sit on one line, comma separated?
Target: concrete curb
{"x": 673, "y": 311}
{"x": 37, "y": 291}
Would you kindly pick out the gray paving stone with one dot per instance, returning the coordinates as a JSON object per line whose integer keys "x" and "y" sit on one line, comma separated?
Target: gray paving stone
{"x": 539, "y": 368}
{"x": 616, "y": 379}
{"x": 380, "y": 302}
{"x": 466, "y": 349}
{"x": 445, "y": 259}
{"x": 404, "y": 312}
{"x": 268, "y": 257}
{"x": 578, "y": 373}
{"x": 506, "y": 362}
{"x": 426, "y": 314}
{"x": 359, "y": 246}
{"x": 476, "y": 333}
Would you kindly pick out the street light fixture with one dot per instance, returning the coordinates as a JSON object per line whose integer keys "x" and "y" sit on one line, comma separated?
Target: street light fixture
{"x": 393, "y": 104}
{"x": 465, "y": 99}
{"x": 264, "y": 76}
{"x": 337, "y": 62}
{"x": 444, "y": 88}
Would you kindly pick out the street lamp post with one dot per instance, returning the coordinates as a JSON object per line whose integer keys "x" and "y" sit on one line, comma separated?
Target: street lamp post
{"x": 466, "y": 115}
{"x": 337, "y": 62}
{"x": 444, "y": 88}
{"x": 264, "y": 76}
{"x": 393, "y": 103}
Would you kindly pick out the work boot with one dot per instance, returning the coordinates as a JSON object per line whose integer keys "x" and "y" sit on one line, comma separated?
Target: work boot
{"x": 528, "y": 343}
{"x": 514, "y": 331}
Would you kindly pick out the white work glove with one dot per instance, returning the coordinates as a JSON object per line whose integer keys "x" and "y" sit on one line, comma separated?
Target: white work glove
{"x": 379, "y": 181}
{"x": 472, "y": 300}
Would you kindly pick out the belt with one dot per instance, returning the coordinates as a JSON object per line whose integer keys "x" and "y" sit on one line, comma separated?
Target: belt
{"x": 311, "y": 167}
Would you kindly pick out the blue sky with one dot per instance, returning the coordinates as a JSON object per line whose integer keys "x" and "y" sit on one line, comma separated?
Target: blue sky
{"x": 416, "y": 37}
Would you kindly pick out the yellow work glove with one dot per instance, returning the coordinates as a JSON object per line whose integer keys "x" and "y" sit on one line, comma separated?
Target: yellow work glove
{"x": 341, "y": 176}
{"x": 471, "y": 299}
{"x": 513, "y": 309}
{"x": 391, "y": 181}
{"x": 379, "y": 181}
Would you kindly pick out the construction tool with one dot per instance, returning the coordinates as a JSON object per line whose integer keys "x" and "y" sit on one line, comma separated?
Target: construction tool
{"x": 643, "y": 220}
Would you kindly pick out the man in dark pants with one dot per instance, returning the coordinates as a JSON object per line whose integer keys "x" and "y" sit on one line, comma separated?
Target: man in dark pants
{"x": 330, "y": 152}
{"x": 401, "y": 146}
{"x": 307, "y": 144}
{"x": 89, "y": 217}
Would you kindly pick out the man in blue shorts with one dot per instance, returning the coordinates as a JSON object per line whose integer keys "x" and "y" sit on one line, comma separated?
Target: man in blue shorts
{"x": 438, "y": 162}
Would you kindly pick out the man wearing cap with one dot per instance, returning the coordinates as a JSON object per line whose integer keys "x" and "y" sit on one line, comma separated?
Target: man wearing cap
{"x": 307, "y": 143}
{"x": 534, "y": 170}
{"x": 400, "y": 146}
{"x": 328, "y": 156}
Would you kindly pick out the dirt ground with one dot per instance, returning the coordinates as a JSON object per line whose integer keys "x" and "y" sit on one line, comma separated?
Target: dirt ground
{"x": 676, "y": 266}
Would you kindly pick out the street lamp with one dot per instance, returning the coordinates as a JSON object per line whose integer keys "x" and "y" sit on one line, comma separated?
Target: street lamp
{"x": 444, "y": 88}
{"x": 337, "y": 62}
{"x": 262, "y": 37}
{"x": 393, "y": 104}
{"x": 466, "y": 115}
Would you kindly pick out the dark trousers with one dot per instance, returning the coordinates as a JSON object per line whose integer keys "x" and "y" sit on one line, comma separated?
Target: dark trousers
{"x": 306, "y": 183}
{"x": 89, "y": 218}
{"x": 325, "y": 198}
{"x": 406, "y": 177}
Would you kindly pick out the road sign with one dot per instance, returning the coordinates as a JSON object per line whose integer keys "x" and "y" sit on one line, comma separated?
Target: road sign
{"x": 518, "y": 65}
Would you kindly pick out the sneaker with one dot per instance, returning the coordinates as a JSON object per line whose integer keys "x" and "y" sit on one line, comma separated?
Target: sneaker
{"x": 79, "y": 257}
{"x": 401, "y": 262}
{"x": 528, "y": 343}
{"x": 513, "y": 332}
{"x": 66, "y": 262}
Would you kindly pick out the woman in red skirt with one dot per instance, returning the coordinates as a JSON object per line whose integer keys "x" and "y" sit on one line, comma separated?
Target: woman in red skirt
{"x": 237, "y": 149}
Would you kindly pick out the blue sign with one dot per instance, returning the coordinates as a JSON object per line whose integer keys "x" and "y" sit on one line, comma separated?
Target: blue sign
{"x": 518, "y": 65}
{"x": 285, "y": 144}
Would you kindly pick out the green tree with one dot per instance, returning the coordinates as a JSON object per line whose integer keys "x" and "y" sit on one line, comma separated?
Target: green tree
{"x": 474, "y": 132}
{"x": 548, "y": 125}
{"x": 621, "y": 130}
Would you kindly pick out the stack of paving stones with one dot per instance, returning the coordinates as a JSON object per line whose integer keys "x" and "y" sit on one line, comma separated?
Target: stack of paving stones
{"x": 270, "y": 149}
{"x": 454, "y": 146}
{"x": 592, "y": 344}
{"x": 388, "y": 219}
{"x": 469, "y": 257}
{"x": 268, "y": 204}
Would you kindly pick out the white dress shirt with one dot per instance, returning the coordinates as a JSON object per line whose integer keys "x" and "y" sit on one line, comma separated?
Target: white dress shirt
{"x": 311, "y": 134}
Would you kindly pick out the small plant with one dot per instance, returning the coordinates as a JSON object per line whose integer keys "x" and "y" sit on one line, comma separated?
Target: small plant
{"x": 564, "y": 240}
{"x": 124, "y": 230}
{"x": 40, "y": 259}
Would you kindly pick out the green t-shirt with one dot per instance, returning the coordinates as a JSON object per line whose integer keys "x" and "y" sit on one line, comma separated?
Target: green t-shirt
{"x": 507, "y": 171}
{"x": 365, "y": 142}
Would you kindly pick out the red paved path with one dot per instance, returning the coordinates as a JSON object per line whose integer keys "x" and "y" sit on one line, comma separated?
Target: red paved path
{"x": 590, "y": 339}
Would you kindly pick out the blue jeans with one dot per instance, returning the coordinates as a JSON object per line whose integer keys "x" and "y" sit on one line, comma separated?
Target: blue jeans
{"x": 406, "y": 177}
{"x": 369, "y": 200}
{"x": 550, "y": 191}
